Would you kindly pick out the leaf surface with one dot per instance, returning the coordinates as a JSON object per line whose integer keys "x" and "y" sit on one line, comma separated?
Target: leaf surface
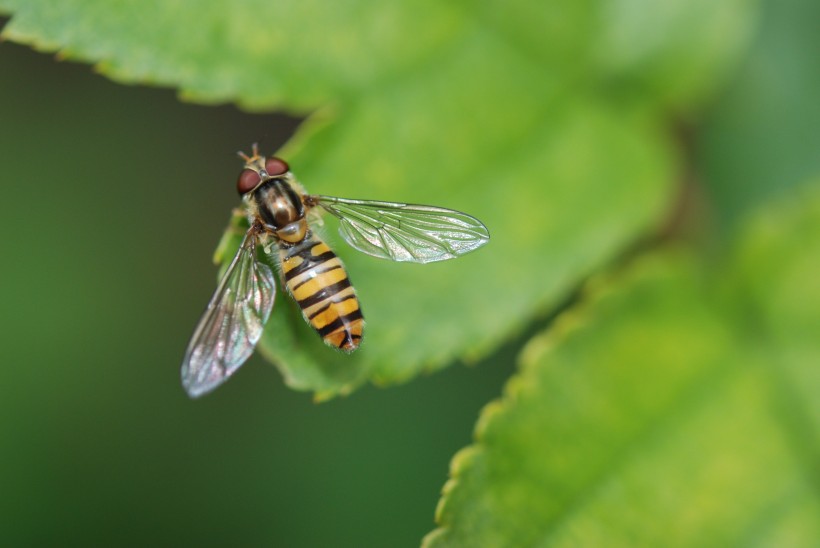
{"x": 666, "y": 412}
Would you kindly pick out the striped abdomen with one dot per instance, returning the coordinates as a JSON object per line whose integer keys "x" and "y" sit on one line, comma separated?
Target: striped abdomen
{"x": 317, "y": 280}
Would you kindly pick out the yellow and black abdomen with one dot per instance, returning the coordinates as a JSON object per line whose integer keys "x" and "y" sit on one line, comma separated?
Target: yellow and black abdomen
{"x": 317, "y": 280}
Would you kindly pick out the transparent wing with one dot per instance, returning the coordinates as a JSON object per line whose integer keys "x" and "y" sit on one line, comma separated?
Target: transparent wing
{"x": 233, "y": 322}
{"x": 405, "y": 232}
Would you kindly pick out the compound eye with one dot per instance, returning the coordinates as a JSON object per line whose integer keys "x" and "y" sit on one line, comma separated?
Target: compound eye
{"x": 276, "y": 166}
{"x": 247, "y": 181}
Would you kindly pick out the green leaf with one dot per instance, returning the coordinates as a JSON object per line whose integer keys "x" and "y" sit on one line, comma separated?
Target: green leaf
{"x": 545, "y": 235}
{"x": 662, "y": 413}
{"x": 777, "y": 266}
{"x": 673, "y": 53}
{"x": 294, "y": 55}
{"x": 434, "y": 103}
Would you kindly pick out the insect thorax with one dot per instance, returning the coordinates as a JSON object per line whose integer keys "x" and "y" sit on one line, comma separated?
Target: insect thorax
{"x": 279, "y": 208}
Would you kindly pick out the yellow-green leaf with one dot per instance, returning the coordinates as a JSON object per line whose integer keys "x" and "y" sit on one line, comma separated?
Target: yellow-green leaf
{"x": 662, "y": 413}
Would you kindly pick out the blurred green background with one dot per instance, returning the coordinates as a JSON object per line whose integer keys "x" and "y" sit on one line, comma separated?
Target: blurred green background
{"x": 107, "y": 267}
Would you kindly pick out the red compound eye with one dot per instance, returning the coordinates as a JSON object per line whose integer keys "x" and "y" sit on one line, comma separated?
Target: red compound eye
{"x": 247, "y": 181}
{"x": 276, "y": 166}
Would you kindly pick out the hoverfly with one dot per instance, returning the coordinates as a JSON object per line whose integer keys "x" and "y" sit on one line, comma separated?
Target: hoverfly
{"x": 277, "y": 208}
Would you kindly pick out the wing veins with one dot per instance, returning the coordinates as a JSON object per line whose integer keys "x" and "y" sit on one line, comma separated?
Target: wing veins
{"x": 232, "y": 322}
{"x": 405, "y": 232}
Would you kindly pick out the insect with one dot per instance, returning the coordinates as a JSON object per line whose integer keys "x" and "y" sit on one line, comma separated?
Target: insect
{"x": 278, "y": 210}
